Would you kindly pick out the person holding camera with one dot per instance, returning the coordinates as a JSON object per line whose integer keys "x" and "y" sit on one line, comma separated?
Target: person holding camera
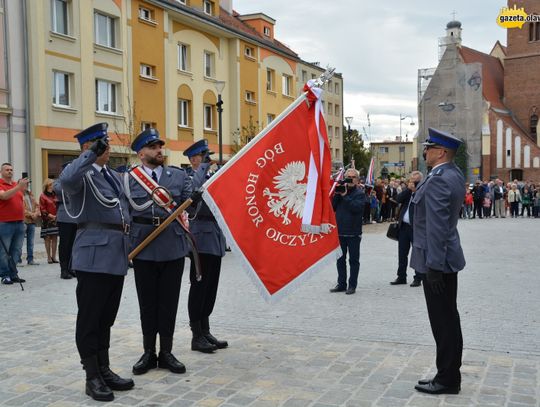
{"x": 211, "y": 247}
{"x": 348, "y": 203}
{"x": 11, "y": 223}
{"x": 98, "y": 204}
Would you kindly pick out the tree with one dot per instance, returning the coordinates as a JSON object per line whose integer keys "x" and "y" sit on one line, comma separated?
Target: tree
{"x": 360, "y": 154}
{"x": 240, "y": 137}
{"x": 461, "y": 158}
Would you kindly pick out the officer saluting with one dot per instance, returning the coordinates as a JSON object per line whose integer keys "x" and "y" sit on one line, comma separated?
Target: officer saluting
{"x": 211, "y": 247}
{"x": 159, "y": 266}
{"x": 100, "y": 250}
{"x": 437, "y": 253}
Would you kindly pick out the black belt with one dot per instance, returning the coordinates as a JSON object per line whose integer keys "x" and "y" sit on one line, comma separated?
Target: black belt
{"x": 205, "y": 217}
{"x": 103, "y": 226}
{"x": 154, "y": 221}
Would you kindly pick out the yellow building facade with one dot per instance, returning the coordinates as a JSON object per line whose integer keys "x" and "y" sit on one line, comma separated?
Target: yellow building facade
{"x": 155, "y": 63}
{"x": 394, "y": 156}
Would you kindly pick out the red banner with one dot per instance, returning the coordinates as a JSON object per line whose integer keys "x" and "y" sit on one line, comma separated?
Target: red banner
{"x": 259, "y": 197}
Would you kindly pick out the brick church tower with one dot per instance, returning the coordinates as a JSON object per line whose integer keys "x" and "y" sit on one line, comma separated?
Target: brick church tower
{"x": 522, "y": 70}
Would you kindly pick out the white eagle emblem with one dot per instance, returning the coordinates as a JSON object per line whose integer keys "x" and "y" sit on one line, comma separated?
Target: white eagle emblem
{"x": 291, "y": 194}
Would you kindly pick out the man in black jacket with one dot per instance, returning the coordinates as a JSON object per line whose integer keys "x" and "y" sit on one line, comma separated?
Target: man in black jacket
{"x": 406, "y": 231}
{"x": 349, "y": 207}
{"x": 478, "y": 198}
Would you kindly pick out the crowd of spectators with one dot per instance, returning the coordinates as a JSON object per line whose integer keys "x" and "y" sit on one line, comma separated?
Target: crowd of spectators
{"x": 483, "y": 199}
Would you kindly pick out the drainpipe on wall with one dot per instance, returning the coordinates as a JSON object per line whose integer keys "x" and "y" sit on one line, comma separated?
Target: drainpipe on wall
{"x": 28, "y": 128}
{"x": 8, "y": 87}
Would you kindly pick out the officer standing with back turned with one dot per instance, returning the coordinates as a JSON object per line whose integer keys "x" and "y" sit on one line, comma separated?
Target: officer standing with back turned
{"x": 160, "y": 265}
{"x": 97, "y": 201}
{"x": 437, "y": 253}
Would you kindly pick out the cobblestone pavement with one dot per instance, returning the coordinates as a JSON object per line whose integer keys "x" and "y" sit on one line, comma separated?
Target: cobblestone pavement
{"x": 311, "y": 349}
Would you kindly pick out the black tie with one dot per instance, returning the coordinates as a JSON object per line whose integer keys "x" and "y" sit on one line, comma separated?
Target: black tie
{"x": 109, "y": 179}
{"x": 154, "y": 176}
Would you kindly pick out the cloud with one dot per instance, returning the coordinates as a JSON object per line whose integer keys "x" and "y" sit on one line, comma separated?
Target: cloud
{"x": 377, "y": 46}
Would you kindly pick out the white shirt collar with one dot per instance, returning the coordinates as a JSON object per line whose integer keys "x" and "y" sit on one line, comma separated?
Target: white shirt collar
{"x": 98, "y": 167}
{"x": 157, "y": 170}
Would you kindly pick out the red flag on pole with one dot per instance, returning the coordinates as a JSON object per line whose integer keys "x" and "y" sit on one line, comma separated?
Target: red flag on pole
{"x": 272, "y": 198}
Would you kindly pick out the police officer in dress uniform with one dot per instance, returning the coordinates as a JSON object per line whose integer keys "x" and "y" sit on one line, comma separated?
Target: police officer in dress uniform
{"x": 97, "y": 200}
{"x": 211, "y": 247}
{"x": 159, "y": 266}
{"x": 67, "y": 230}
{"x": 437, "y": 253}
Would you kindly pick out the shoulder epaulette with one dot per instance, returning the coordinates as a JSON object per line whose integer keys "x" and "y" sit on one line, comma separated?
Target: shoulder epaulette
{"x": 438, "y": 171}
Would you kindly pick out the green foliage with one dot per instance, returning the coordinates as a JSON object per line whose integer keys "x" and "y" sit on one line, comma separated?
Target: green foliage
{"x": 241, "y": 137}
{"x": 353, "y": 143}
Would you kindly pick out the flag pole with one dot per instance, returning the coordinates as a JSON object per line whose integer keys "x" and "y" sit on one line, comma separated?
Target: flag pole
{"x": 319, "y": 82}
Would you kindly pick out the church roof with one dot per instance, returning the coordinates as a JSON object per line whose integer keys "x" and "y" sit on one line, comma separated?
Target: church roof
{"x": 453, "y": 24}
{"x": 492, "y": 75}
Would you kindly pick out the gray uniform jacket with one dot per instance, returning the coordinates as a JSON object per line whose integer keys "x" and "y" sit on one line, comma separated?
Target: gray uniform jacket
{"x": 208, "y": 235}
{"x": 437, "y": 203}
{"x": 96, "y": 251}
{"x": 61, "y": 215}
{"x": 171, "y": 244}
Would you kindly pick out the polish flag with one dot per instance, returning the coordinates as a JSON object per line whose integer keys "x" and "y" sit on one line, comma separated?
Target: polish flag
{"x": 272, "y": 198}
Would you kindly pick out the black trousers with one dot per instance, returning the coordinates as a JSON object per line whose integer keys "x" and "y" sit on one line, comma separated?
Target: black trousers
{"x": 446, "y": 328}
{"x": 405, "y": 240}
{"x": 478, "y": 209}
{"x": 98, "y": 299}
{"x": 202, "y": 294}
{"x": 158, "y": 290}
{"x": 66, "y": 232}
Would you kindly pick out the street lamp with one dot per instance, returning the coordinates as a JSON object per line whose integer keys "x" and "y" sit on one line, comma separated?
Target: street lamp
{"x": 349, "y": 120}
{"x": 401, "y": 118}
{"x": 220, "y": 85}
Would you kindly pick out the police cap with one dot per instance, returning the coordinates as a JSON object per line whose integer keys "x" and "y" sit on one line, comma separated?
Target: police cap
{"x": 198, "y": 147}
{"x": 92, "y": 133}
{"x": 146, "y": 138}
{"x": 443, "y": 139}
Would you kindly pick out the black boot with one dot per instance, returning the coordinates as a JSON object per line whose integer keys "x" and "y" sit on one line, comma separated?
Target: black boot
{"x": 95, "y": 386}
{"x": 149, "y": 358}
{"x": 112, "y": 380}
{"x": 199, "y": 341}
{"x": 166, "y": 359}
{"x": 205, "y": 326}
{"x": 65, "y": 275}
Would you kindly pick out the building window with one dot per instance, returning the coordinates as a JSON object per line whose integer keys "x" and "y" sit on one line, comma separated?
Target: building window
{"x": 304, "y": 76}
{"x": 183, "y": 57}
{"x": 330, "y": 132}
{"x": 208, "y": 64}
{"x": 104, "y": 27}
{"x": 249, "y": 52}
{"x": 208, "y": 111}
{"x": 534, "y": 31}
{"x": 60, "y": 16}
{"x": 106, "y": 96}
{"x": 401, "y": 149}
{"x": 250, "y": 96}
{"x": 183, "y": 113}
{"x": 336, "y": 110}
{"x": 266, "y": 31}
{"x": 270, "y": 81}
{"x": 61, "y": 89}
{"x": 147, "y": 71}
{"x": 330, "y": 86}
{"x": 330, "y": 108}
{"x": 337, "y": 132}
{"x": 208, "y": 7}
{"x": 181, "y": 1}
{"x": 270, "y": 118}
{"x": 313, "y": 76}
{"x": 336, "y": 88}
{"x": 534, "y": 125}
{"x": 146, "y": 14}
{"x": 383, "y": 150}
{"x": 147, "y": 126}
{"x": 287, "y": 85}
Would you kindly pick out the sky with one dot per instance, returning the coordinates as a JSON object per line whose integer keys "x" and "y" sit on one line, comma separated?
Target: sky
{"x": 378, "y": 46}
